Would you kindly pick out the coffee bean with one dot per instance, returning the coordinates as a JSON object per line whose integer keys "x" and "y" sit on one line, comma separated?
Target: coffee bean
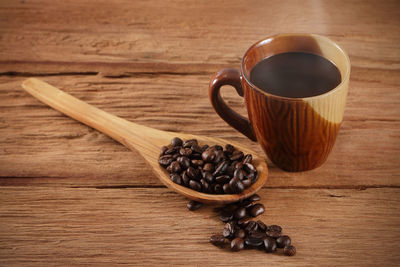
{"x": 204, "y": 185}
{"x": 251, "y": 226}
{"x": 176, "y": 178}
{"x": 171, "y": 151}
{"x": 203, "y": 148}
{"x": 227, "y": 189}
{"x": 217, "y": 189}
{"x": 185, "y": 151}
{"x": 236, "y": 185}
{"x": 275, "y": 227}
{"x": 230, "y": 170}
{"x": 218, "y": 147}
{"x": 243, "y": 222}
{"x": 185, "y": 179}
{"x": 184, "y": 162}
{"x": 238, "y": 165}
{"x": 195, "y": 185}
{"x": 208, "y": 177}
{"x": 269, "y": 244}
{"x": 193, "y": 173}
{"x": 253, "y": 176}
{"x": 240, "y": 233}
{"x": 165, "y": 160}
{"x": 197, "y": 162}
{"x": 221, "y": 167}
{"x": 208, "y": 155}
{"x": 273, "y": 234}
{"x": 218, "y": 240}
{"x": 289, "y": 250}
{"x": 229, "y": 148}
{"x": 239, "y": 174}
{"x": 249, "y": 167}
{"x": 237, "y": 244}
{"x": 256, "y": 210}
{"x": 196, "y": 149}
{"x": 208, "y": 167}
{"x": 176, "y": 141}
{"x": 262, "y": 226}
{"x": 246, "y": 183}
{"x": 226, "y": 216}
{"x": 237, "y": 155}
{"x": 189, "y": 143}
{"x": 219, "y": 156}
{"x": 255, "y": 239}
{"x": 283, "y": 241}
{"x": 194, "y": 205}
{"x": 240, "y": 213}
{"x": 254, "y": 197}
{"x": 247, "y": 159}
{"x": 222, "y": 179}
{"x": 229, "y": 230}
{"x": 163, "y": 149}
{"x": 174, "y": 167}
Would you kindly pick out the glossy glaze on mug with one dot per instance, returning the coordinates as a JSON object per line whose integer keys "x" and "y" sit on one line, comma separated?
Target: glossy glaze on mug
{"x": 297, "y": 134}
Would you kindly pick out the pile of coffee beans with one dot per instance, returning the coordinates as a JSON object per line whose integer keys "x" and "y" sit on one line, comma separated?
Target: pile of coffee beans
{"x": 241, "y": 231}
{"x": 208, "y": 169}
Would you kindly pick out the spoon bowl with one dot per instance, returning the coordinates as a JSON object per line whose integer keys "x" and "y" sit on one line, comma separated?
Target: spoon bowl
{"x": 147, "y": 141}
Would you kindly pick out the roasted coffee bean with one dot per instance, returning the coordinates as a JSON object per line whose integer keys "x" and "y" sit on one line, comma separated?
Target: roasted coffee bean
{"x": 163, "y": 149}
{"x": 247, "y": 159}
{"x": 289, "y": 250}
{"x": 226, "y": 216}
{"x": 227, "y": 189}
{"x": 230, "y": 170}
{"x": 208, "y": 155}
{"x": 208, "y": 167}
{"x": 174, "y": 167}
{"x": 236, "y": 185}
{"x": 229, "y": 230}
{"x": 185, "y": 151}
{"x": 243, "y": 222}
{"x": 176, "y": 178}
{"x": 197, "y": 162}
{"x": 240, "y": 233}
{"x": 237, "y": 244}
{"x": 204, "y": 185}
{"x": 256, "y": 210}
{"x": 262, "y": 226}
{"x": 273, "y": 234}
{"x": 217, "y": 189}
{"x": 238, "y": 165}
{"x": 246, "y": 183}
{"x": 246, "y": 203}
{"x": 171, "y": 151}
{"x": 275, "y": 227}
{"x": 208, "y": 177}
{"x": 189, "y": 143}
{"x": 165, "y": 160}
{"x": 221, "y": 167}
{"x": 219, "y": 156}
{"x": 218, "y": 147}
{"x": 249, "y": 167}
{"x": 196, "y": 149}
{"x": 203, "y": 148}
{"x": 222, "y": 179}
{"x": 184, "y": 162}
{"x": 229, "y": 148}
{"x": 185, "y": 179}
{"x": 194, "y": 205}
{"x": 253, "y": 176}
{"x": 255, "y": 239}
{"x": 240, "y": 213}
{"x": 193, "y": 173}
{"x": 176, "y": 141}
{"x": 218, "y": 240}
{"x": 283, "y": 241}
{"x": 175, "y": 156}
{"x": 239, "y": 174}
{"x": 251, "y": 226}
{"x": 269, "y": 244}
{"x": 254, "y": 197}
{"x": 237, "y": 155}
{"x": 195, "y": 185}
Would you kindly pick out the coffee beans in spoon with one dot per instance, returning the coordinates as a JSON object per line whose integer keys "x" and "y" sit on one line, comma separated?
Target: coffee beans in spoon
{"x": 208, "y": 169}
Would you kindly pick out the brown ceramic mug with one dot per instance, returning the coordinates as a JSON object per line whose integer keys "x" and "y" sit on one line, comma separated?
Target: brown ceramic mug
{"x": 297, "y": 134}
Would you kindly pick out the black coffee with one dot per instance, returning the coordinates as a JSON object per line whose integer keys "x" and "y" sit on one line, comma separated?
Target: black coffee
{"x": 295, "y": 74}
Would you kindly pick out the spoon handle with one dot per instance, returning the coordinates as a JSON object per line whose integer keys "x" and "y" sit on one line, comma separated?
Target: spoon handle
{"x": 130, "y": 134}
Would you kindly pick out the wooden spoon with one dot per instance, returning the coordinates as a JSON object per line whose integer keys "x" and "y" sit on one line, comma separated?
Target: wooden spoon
{"x": 147, "y": 141}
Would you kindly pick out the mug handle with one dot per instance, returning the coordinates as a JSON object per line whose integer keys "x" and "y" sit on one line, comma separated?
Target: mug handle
{"x": 237, "y": 121}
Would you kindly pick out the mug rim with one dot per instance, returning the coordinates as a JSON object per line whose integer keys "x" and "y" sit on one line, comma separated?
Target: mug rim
{"x": 270, "y": 38}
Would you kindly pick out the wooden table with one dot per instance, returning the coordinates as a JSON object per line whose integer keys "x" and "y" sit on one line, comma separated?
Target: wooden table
{"x": 71, "y": 195}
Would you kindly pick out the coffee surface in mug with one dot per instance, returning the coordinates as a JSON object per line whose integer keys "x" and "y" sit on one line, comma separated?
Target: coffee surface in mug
{"x": 295, "y": 75}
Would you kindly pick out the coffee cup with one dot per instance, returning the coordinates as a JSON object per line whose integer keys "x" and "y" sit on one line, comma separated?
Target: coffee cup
{"x": 297, "y": 133}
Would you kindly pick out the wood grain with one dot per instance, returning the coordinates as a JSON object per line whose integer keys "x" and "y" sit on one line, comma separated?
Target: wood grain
{"x": 42, "y": 226}
{"x": 40, "y": 144}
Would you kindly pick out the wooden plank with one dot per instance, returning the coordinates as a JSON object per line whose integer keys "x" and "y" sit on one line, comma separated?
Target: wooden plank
{"x": 59, "y": 226}
{"x": 39, "y": 144}
{"x": 154, "y": 36}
